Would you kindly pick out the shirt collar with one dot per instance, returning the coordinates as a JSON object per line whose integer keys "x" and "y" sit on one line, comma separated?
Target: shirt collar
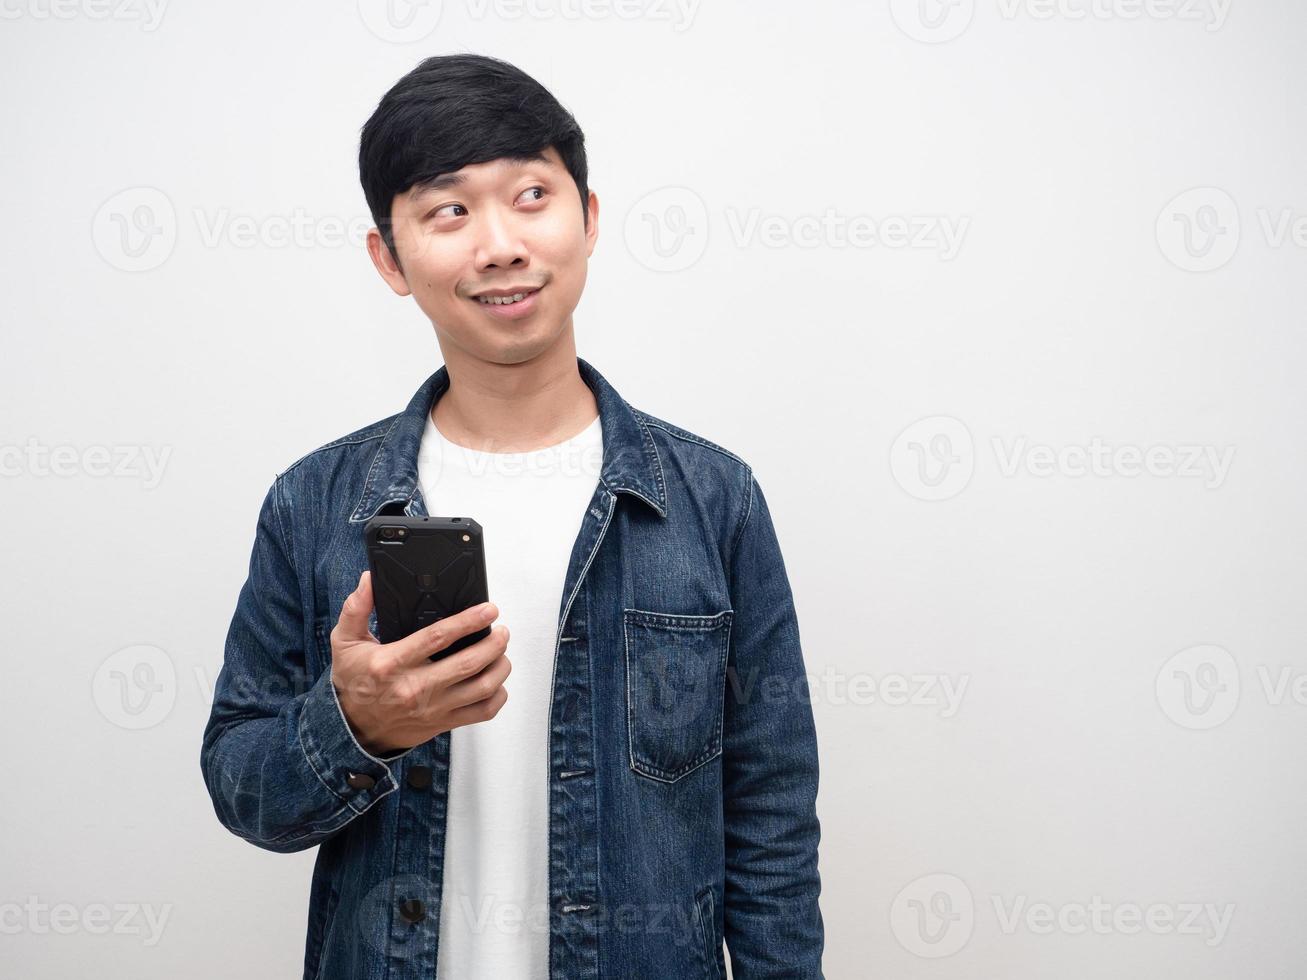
{"x": 630, "y": 464}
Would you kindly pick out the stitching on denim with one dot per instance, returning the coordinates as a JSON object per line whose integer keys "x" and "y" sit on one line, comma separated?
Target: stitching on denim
{"x": 630, "y": 713}
{"x": 748, "y": 512}
{"x": 376, "y": 462}
{"x": 333, "y": 902}
{"x": 651, "y": 445}
{"x": 672, "y": 776}
{"x": 679, "y": 621}
{"x": 687, "y": 436}
{"x": 287, "y": 541}
{"x": 714, "y": 748}
{"x": 724, "y": 658}
{"x": 707, "y": 926}
{"x": 308, "y": 757}
{"x": 610, "y": 500}
{"x": 353, "y": 439}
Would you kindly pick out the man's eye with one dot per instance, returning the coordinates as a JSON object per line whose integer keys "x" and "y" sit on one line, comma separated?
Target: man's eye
{"x": 530, "y": 189}
{"x": 447, "y": 207}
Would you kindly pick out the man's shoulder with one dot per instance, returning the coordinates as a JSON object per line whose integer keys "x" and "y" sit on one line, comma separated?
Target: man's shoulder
{"x": 361, "y": 443}
{"x": 679, "y": 439}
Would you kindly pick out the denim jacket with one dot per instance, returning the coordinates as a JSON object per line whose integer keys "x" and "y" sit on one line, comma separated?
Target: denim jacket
{"x": 682, "y": 750}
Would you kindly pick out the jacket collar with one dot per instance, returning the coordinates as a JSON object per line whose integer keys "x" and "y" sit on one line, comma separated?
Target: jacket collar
{"x": 630, "y": 464}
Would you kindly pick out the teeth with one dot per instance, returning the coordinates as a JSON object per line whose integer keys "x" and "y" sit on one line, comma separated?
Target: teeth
{"x": 502, "y": 300}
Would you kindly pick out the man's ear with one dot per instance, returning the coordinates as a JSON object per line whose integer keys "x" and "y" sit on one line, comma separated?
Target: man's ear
{"x": 386, "y": 264}
{"x": 592, "y": 223}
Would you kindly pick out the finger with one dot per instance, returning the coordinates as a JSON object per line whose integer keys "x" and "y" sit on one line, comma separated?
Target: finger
{"x": 470, "y": 714}
{"x": 436, "y": 677}
{"x": 480, "y": 686}
{"x": 414, "y": 649}
{"x": 353, "y": 623}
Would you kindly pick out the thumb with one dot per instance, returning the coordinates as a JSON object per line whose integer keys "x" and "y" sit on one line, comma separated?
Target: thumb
{"x": 353, "y": 623}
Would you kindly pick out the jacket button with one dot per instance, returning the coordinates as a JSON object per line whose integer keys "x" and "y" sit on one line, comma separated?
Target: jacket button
{"x": 419, "y": 777}
{"x": 412, "y": 911}
{"x": 360, "y": 780}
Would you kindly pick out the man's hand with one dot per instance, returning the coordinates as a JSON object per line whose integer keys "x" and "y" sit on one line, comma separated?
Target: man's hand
{"x": 394, "y": 697}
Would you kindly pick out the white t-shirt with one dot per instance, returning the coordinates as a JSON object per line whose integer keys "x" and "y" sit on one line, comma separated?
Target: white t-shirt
{"x": 494, "y": 920}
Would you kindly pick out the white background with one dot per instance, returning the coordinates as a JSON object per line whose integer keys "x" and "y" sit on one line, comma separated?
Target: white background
{"x": 1126, "y": 639}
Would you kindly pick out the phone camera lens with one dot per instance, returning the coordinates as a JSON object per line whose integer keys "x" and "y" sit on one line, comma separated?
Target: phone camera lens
{"x": 387, "y": 532}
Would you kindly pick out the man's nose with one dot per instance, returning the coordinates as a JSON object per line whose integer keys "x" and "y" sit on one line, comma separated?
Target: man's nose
{"x": 501, "y": 245}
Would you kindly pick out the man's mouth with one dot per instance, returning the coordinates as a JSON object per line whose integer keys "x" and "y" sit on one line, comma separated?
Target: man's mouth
{"x": 507, "y": 301}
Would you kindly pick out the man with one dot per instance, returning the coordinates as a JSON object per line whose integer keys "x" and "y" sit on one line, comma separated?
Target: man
{"x": 649, "y": 789}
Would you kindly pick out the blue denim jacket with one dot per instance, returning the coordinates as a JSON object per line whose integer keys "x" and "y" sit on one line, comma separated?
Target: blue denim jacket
{"x": 682, "y": 751}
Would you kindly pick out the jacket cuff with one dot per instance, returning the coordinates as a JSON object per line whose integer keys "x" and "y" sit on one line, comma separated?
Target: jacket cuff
{"x": 347, "y": 769}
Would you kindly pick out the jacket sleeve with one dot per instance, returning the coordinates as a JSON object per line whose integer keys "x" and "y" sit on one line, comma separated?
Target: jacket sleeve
{"x": 281, "y": 764}
{"x": 772, "y": 921}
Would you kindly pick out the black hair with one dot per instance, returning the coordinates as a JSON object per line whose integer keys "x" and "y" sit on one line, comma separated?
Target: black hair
{"x": 459, "y": 109}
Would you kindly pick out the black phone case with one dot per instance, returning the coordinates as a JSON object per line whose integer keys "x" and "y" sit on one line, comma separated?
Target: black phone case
{"x": 424, "y": 569}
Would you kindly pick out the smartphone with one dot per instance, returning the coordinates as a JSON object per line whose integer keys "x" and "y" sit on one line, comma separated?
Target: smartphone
{"x": 424, "y": 569}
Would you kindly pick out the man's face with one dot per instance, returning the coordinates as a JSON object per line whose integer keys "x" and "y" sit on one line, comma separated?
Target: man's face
{"x": 500, "y": 226}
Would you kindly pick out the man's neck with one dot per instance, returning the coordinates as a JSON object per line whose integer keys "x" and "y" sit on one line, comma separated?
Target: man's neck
{"x": 512, "y": 408}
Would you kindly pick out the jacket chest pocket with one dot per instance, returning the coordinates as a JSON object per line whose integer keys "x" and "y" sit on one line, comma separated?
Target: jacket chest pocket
{"x": 675, "y": 686}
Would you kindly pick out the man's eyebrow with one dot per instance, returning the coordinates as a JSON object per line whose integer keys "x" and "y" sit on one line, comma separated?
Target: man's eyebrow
{"x": 438, "y": 184}
{"x": 443, "y": 181}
